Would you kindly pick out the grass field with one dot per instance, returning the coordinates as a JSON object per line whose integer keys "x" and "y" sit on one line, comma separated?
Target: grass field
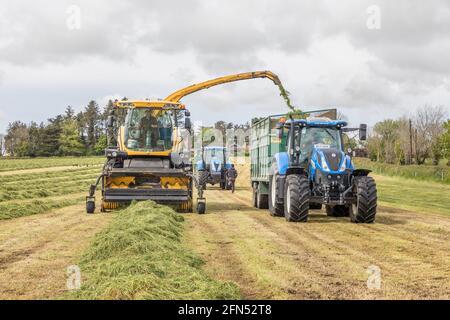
{"x": 440, "y": 173}
{"x": 34, "y": 163}
{"x": 148, "y": 252}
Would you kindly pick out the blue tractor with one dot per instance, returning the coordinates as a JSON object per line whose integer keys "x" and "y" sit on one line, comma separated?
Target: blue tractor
{"x": 310, "y": 169}
{"x": 212, "y": 167}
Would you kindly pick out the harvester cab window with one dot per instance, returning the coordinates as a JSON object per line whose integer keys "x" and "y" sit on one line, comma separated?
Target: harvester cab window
{"x": 149, "y": 129}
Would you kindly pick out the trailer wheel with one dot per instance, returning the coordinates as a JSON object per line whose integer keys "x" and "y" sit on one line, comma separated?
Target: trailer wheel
{"x": 201, "y": 207}
{"x": 262, "y": 201}
{"x": 365, "y": 208}
{"x": 255, "y": 196}
{"x": 338, "y": 211}
{"x": 296, "y": 199}
{"x": 276, "y": 204}
{"x": 90, "y": 207}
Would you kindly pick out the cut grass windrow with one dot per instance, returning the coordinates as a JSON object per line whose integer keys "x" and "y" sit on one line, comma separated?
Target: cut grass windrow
{"x": 28, "y": 208}
{"x": 140, "y": 256}
{"x": 18, "y": 178}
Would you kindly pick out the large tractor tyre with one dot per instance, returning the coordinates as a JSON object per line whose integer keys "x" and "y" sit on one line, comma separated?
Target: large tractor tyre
{"x": 201, "y": 208}
{"x": 276, "y": 203}
{"x": 315, "y": 206}
{"x": 338, "y": 211}
{"x": 203, "y": 179}
{"x": 90, "y": 207}
{"x": 365, "y": 208}
{"x": 296, "y": 198}
{"x": 262, "y": 201}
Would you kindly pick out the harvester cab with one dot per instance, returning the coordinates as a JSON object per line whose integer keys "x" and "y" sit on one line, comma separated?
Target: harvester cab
{"x": 314, "y": 171}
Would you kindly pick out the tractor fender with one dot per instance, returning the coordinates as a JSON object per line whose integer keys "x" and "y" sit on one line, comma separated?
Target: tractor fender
{"x": 361, "y": 172}
{"x": 282, "y": 162}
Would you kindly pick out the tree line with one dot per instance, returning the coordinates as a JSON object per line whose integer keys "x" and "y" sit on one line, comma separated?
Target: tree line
{"x": 412, "y": 140}
{"x": 67, "y": 134}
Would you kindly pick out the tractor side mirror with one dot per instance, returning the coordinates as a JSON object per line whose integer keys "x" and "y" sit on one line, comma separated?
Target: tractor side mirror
{"x": 279, "y": 128}
{"x": 110, "y": 122}
{"x": 363, "y": 132}
{"x": 187, "y": 123}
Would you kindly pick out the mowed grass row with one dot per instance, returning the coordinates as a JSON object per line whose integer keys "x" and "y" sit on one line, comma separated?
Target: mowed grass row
{"x": 10, "y": 210}
{"x": 60, "y": 184}
{"x": 35, "y": 193}
{"x": 141, "y": 256}
{"x": 34, "y": 163}
{"x": 47, "y": 176}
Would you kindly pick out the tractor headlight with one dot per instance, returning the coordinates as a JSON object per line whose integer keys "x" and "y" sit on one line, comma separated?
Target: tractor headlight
{"x": 344, "y": 165}
{"x": 325, "y": 165}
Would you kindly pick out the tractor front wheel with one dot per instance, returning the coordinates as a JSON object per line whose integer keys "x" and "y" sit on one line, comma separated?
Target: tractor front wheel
{"x": 296, "y": 198}
{"x": 364, "y": 209}
{"x": 276, "y": 203}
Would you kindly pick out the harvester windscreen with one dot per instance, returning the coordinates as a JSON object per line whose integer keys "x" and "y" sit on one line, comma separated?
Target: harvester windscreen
{"x": 149, "y": 129}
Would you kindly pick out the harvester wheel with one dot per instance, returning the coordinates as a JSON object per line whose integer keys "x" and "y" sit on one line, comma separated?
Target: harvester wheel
{"x": 201, "y": 207}
{"x": 296, "y": 199}
{"x": 365, "y": 208}
{"x": 276, "y": 203}
{"x": 338, "y": 211}
{"x": 90, "y": 207}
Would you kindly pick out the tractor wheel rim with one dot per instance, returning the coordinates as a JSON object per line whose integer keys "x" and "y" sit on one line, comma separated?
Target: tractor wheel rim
{"x": 273, "y": 191}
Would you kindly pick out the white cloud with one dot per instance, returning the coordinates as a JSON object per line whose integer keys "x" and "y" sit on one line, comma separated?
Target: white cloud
{"x": 322, "y": 50}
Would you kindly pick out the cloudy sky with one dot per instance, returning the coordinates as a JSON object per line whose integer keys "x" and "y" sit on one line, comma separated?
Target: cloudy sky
{"x": 372, "y": 59}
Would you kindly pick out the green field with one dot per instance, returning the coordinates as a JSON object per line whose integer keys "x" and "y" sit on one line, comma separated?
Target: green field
{"x": 440, "y": 173}
{"x": 7, "y": 164}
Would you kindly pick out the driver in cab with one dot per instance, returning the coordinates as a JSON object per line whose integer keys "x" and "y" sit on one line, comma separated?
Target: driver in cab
{"x": 149, "y": 129}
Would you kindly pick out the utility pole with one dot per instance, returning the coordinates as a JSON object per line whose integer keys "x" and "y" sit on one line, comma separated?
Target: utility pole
{"x": 410, "y": 142}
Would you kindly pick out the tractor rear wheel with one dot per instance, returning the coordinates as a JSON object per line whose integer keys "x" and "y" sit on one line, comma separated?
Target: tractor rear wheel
{"x": 338, "y": 211}
{"x": 365, "y": 207}
{"x": 296, "y": 199}
{"x": 203, "y": 179}
{"x": 276, "y": 203}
